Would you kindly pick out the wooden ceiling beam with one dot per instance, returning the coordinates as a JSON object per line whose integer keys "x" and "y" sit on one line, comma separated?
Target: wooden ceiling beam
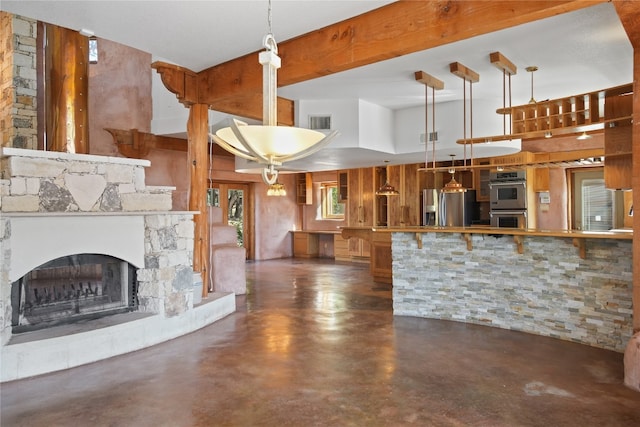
{"x": 397, "y": 29}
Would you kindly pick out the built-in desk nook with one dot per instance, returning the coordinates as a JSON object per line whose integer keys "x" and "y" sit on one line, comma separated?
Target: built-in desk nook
{"x": 308, "y": 243}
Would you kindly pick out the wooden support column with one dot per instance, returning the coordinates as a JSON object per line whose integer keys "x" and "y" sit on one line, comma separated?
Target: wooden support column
{"x": 198, "y": 140}
{"x": 629, "y": 14}
{"x": 67, "y": 91}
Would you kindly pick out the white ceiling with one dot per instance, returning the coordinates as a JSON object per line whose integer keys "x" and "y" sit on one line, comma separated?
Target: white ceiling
{"x": 577, "y": 52}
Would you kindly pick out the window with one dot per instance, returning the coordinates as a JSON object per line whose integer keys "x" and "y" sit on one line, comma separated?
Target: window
{"x": 596, "y": 208}
{"x": 331, "y": 206}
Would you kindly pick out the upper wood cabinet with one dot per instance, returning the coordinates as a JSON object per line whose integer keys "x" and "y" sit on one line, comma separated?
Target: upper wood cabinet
{"x": 360, "y": 205}
{"x": 360, "y": 197}
{"x": 481, "y": 180}
{"x": 343, "y": 185}
{"x": 403, "y": 209}
{"x": 618, "y": 168}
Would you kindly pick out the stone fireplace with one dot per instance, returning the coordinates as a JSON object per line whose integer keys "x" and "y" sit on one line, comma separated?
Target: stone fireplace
{"x": 82, "y": 236}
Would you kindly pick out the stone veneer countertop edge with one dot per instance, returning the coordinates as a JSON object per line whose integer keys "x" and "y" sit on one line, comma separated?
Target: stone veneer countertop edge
{"x": 575, "y": 234}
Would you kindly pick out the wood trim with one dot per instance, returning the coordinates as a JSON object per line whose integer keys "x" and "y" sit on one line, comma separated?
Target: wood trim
{"x": 629, "y": 14}
{"x": 136, "y": 145}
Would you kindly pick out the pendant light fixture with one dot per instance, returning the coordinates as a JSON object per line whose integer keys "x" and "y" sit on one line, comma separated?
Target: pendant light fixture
{"x": 387, "y": 189}
{"x": 453, "y": 186}
{"x": 276, "y": 189}
{"x": 470, "y": 76}
{"x": 508, "y": 69}
{"x": 269, "y": 144}
{"x": 531, "y": 69}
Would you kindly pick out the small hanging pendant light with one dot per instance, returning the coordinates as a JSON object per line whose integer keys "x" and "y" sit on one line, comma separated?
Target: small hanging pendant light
{"x": 387, "y": 189}
{"x": 531, "y": 70}
{"x": 453, "y": 186}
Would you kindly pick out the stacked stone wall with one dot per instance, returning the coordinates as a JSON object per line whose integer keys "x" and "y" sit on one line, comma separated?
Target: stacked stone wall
{"x": 548, "y": 290}
{"x": 165, "y": 285}
{"x": 18, "y": 82}
{"x": 38, "y": 181}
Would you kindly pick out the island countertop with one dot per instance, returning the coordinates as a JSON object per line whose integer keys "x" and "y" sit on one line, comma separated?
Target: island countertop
{"x": 625, "y": 234}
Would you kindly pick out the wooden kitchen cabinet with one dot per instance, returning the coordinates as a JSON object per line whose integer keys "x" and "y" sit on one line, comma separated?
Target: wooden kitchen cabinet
{"x": 341, "y": 248}
{"x": 403, "y": 209}
{"x": 305, "y": 245}
{"x": 481, "y": 180}
{"x": 360, "y": 209}
{"x": 381, "y": 259}
{"x": 618, "y": 167}
{"x": 343, "y": 186}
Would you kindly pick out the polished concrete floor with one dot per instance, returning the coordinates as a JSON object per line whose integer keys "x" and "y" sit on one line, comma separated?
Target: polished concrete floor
{"x": 315, "y": 344}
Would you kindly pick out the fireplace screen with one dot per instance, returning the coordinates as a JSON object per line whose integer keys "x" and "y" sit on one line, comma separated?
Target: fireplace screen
{"x": 72, "y": 288}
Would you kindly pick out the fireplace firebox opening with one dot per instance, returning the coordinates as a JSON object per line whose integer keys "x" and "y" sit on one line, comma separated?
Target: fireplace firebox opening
{"x": 73, "y": 288}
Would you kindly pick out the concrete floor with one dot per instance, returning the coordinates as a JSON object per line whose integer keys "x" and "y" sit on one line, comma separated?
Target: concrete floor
{"x": 315, "y": 344}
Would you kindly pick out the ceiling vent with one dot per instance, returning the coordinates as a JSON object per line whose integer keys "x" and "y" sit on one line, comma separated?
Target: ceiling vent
{"x": 320, "y": 123}
{"x": 433, "y": 136}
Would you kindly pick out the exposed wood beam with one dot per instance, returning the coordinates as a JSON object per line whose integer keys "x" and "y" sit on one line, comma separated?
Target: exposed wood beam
{"x": 397, "y": 29}
{"x": 184, "y": 84}
{"x": 400, "y": 28}
{"x": 136, "y": 145}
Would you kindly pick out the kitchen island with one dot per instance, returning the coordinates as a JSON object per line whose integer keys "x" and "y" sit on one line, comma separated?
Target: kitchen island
{"x": 571, "y": 285}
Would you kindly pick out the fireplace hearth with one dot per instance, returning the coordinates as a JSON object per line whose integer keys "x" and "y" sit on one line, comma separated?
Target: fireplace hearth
{"x": 73, "y": 288}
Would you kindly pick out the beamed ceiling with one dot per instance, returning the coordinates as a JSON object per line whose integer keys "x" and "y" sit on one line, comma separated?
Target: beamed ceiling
{"x": 365, "y": 50}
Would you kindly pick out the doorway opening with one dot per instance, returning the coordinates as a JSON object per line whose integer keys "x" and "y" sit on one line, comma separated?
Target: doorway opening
{"x": 234, "y": 200}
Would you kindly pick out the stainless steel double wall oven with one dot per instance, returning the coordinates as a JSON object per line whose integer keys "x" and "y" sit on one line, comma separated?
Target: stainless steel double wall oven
{"x": 508, "y": 199}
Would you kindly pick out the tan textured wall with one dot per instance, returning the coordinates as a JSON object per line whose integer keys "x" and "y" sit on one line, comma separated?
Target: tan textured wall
{"x": 120, "y": 98}
{"x": 556, "y": 217}
{"x": 119, "y": 94}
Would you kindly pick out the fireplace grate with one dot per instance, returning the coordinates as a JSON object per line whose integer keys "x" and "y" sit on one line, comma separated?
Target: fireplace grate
{"x": 73, "y": 288}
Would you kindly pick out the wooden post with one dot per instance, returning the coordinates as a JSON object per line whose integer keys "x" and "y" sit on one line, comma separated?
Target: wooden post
{"x": 629, "y": 14}
{"x": 67, "y": 87}
{"x": 198, "y": 140}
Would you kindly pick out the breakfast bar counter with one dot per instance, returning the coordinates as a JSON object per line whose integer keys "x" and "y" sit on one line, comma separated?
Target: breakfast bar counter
{"x": 572, "y": 285}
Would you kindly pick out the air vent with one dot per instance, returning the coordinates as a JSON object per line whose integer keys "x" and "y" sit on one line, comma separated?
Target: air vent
{"x": 433, "y": 136}
{"x": 320, "y": 122}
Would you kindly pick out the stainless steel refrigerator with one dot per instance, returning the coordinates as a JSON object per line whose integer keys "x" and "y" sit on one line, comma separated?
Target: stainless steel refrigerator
{"x": 430, "y": 206}
{"x": 457, "y": 209}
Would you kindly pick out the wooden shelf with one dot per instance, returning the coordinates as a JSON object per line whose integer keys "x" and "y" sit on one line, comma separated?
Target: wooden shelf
{"x": 573, "y": 114}
{"x": 304, "y": 189}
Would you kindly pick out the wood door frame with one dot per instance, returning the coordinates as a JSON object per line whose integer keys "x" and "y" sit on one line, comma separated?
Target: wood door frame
{"x": 248, "y": 217}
